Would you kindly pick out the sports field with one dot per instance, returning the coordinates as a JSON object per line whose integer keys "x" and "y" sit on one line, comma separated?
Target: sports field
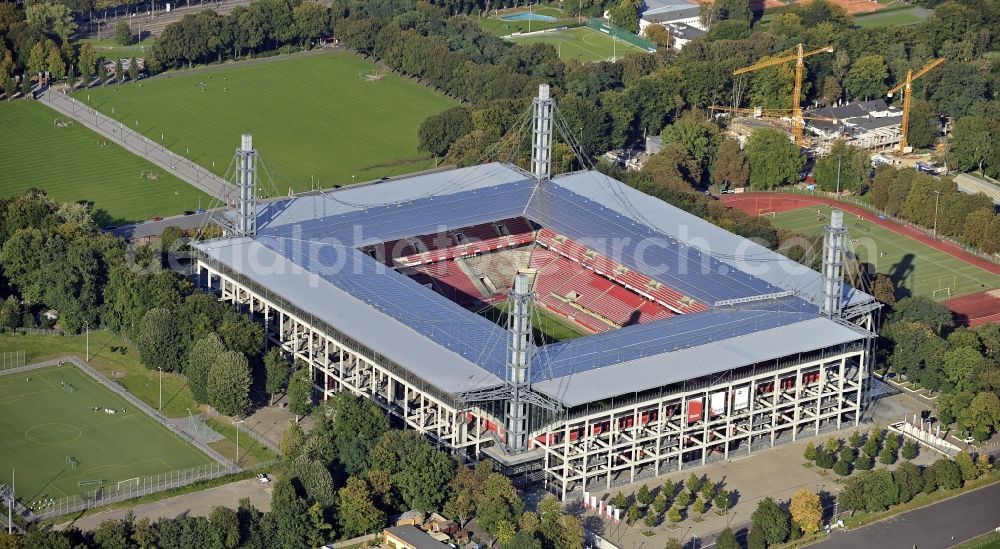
{"x": 502, "y": 27}
{"x": 912, "y": 265}
{"x": 329, "y": 118}
{"x": 895, "y": 18}
{"x": 75, "y": 164}
{"x": 547, "y": 327}
{"x": 44, "y": 427}
{"x": 581, "y": 43}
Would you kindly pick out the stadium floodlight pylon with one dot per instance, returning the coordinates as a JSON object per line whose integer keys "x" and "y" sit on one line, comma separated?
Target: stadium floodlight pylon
{"x": 833, "y": 265}
{"x": 520, "y": 305}
{"x": 541, "y": 134}
{"x": 247, "y": 208}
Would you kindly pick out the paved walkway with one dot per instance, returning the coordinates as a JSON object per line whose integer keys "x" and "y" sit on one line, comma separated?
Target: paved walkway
{"x": 937, "y": 526}
{"x": 199, "y": 504}
{"x": 138, "y": 144}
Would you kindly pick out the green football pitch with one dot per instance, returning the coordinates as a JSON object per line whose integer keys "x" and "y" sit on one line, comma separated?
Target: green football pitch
{"x": 581, "y": 43}
{"x": 325, "y": 119}
{"x": 918, "y": 268}
{"x": 43, "y": 425}
{"x": 547, "y": 327}
{"x": 73, "y": 164}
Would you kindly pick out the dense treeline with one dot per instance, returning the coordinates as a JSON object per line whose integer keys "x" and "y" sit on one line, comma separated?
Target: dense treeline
{"x": 912, "y": 196}
{"x": 53, "y": 256}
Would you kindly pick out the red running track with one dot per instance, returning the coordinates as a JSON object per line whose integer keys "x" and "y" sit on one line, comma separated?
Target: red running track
{"x": 985, "y": 308}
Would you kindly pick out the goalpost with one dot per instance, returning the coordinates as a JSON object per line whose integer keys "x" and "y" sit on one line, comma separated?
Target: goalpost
{"x": 941, "y": 293}
{"x": 149, "y": 175}
{"x": 766, "y": 213}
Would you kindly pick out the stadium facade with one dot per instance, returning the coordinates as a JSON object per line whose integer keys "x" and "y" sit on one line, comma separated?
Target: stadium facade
{"x": 698, "y": 344}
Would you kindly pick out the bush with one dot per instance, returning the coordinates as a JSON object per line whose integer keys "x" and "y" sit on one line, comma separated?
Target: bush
{"x": 863, "y": 463}
{"x": 910, "y": 450}
{"x": 847, "y": 455}
{"x": 887, "y": 456}
{"x": 855, "y": 440}
{"x": 824, "y": 459}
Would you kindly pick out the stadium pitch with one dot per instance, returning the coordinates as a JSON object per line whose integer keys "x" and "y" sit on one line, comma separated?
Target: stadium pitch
{"x": 318, "y": 120}
{"x": 581, "y": 43}
{"x": 913, "y": 266}
{"x": 72, "y": 163}
{"x": 60, "y": 445}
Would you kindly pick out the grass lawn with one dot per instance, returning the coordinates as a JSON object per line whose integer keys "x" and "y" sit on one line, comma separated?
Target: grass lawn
{"x": 910, "y": 16}
{"x": 313, "y": 118}
{"x": 547, "y": 327}
{"x": 72, "y": 164}
{"x": 113, "y": 358}
{"x": 985, "y": 541}
{"x": 581, "y": 43}
{"x": 42, "y": 424}
{"x": 110, "y": 50}
{"x": 918, "y": 268}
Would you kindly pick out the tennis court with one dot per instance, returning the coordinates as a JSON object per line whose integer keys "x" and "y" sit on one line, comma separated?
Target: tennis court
{"x": 581, "y": 43}
{"x": 912, "y": 265}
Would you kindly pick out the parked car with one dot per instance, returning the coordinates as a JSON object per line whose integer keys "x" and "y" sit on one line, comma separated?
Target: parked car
{"x": 156, "y": 218}
{"x": 263, "y": 478}
{"x": 970, "y": 440}
{"x": 188, "y": 212}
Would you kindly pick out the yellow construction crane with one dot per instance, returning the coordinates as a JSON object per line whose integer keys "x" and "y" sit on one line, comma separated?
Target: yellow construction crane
{"x": 907, "y": 87}
{"x": 797, "y": 119}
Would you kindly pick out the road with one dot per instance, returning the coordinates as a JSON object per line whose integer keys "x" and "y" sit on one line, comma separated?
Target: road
{"x": 937, "y": 526}
{"x": 138, "y": 144}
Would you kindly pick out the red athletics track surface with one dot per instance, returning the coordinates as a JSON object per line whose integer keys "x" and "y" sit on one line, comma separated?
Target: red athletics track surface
{"x": 969, "y": 310}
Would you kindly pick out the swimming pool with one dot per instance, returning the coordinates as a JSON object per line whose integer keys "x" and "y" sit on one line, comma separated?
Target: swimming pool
{"x": 527, "y": 16}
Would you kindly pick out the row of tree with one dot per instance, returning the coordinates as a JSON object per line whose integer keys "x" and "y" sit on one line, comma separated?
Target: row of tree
{"x": 936, "y": 203}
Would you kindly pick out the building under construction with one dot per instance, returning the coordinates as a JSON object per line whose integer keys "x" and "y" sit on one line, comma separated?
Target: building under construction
{"x": 425, "y": 294}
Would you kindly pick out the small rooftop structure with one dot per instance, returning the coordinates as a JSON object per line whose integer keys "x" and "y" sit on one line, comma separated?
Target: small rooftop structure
{"x": 409, "y": 537}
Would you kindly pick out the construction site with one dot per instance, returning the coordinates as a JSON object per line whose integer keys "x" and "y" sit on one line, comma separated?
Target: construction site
{"x": 875, "y": 125}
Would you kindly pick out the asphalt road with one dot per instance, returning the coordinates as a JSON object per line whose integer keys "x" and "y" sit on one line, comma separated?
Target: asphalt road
{"x": 938, "y": 526}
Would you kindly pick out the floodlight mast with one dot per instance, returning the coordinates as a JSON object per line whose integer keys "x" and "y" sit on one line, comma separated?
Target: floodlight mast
{"x": 541, "y": 134}
{"x": 833, "y": 265}
{"x": 247, "y": 208}
{"x": 520, "y": 305}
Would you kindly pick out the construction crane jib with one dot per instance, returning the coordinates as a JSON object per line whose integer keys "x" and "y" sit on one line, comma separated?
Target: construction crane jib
{"x": 907, "y": 87}
{"x": 798, "y": 123}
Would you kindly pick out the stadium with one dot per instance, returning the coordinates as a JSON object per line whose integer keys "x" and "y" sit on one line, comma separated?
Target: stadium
{"x": 689, "y": 344}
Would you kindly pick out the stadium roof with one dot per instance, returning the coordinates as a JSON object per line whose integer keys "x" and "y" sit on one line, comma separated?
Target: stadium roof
{"x": 307, "y": 251}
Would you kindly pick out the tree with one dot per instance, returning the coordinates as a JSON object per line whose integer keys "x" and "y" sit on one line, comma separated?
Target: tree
{"x": 300, "y": 393}
{"x": 909, "y": 482}
{"x": 845, "y": 168}
{"x": 867, "y": 77}
{"x": 842, "y": 468}
{"x": 674, "y": 515}
{"x": 225, "y": 527}
{"x": 971, "y": 143}
{"x": 9, "y": 87}
{"x": 632, "y": 514}
{"x": 983, "y": 465}
{"x": 731, "y": 168}
{"x": 832, "y": 444}
{"x": 660, "y": 503}
{"x": 683, "y": 499}
{"x": 824, "y": 459}
{"x": 619, "y": 501}
{"x": 437, "y": 132}
{"x": 810, "y": 451}
{"x": 497, "y": 501}
{"x": 626, "y": 15}
{"x": 86, "y": 62}
{"x": 357, "y": 513}
{"x": 291, "y": 441}
{"x": 924, "y": 124}
{"x": 51, "y": 18}
{"x": 54, "y": 63}
{"x": 966, "y": 466}
{"x": 159, "y": 340}
{"x": 651, "y": 518}
{"x": 983, "y": 411}
{"x": 772, "y": 520}
{"x": 312, "y": 20}
{"x": 133, "y": 70}
{"x": 855, "y": 440}
{"x": 278, "y": 371}
{"x": 644, "y": 497}
{"x": 887, "y": 456}
{"x": 698, "y": 506}
{"x": 831, "y": 90}
{"x": 947, "y": 474}
{"x": 119, "y": 70}
{"x": 693, "y": 483}
{"x": 774, "y": 160}
{"x": 229, "y": 384}
{"x": 910, "y": 450}
{"x": 672, "y": 168}
{"x": 756, "y": 539}
{"x": 722, "y": 501}
{"x": 885, "y": 289}
{"x": 727, "y": 540}
{"x": 506, "y": 530}
{"x": 203, "y": 355}
{"x": 880, "y": 490}
{"x": 806, "y": 510}
{"x": 699, "y": 137}
{"x": 26, "y": 87}
{"x": 659, "y": 35}
{"x": 123, "y": 34}
{"x": 863, "y": 463}
{"x": 290, "y": 513}
{"x": 960, "y": 365}
{"x": 37, "y": 59}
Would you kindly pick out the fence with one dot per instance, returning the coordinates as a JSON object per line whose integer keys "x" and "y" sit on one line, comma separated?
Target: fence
{"x": 36, "y": 331}
{"x": 622, "y": 34}
{"x": 11, "y": 359}
{"x": 132, "y": 488}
